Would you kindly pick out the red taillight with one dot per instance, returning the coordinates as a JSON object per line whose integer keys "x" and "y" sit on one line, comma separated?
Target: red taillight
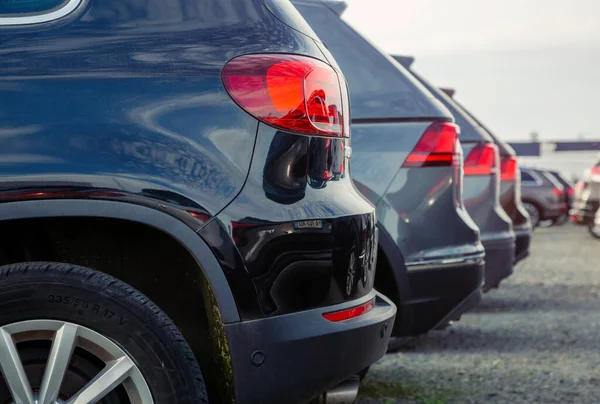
{"x": 437, "y": 147}
{"x": 595, "y": 170}
{"x": 571, "y": 191}
{"x": 481, "y": 160}
{"x": 352, "y": 312}
{"x": 290, "y": 92}
{"x": 557, "y": 192}
{"x": 508, "y": 168}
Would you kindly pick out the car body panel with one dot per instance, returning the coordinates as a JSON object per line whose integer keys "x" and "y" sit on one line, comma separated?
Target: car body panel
{"x": 301, "y": 246}
{"x": 390, "y": 113}
{"x": 567, "y": 185}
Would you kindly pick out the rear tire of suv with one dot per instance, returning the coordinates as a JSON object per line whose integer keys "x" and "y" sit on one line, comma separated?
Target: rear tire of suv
{"x": 534, "y": 214}
{"x": 77, "y": 324}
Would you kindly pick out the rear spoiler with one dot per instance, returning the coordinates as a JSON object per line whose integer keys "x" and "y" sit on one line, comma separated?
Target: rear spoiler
{"x": 405, "y": 61}
{"x": 338, "y": 7}
{"x": 448, "y": 91}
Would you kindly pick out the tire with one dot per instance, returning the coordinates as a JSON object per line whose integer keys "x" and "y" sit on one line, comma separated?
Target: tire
{"x": 534, "y": 214}
{"x": 33, "y": 295}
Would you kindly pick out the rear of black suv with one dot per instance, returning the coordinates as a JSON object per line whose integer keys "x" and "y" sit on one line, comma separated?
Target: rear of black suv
{"x": 175, "y": 191}
{"x": 407, "y": 161}
{"x": 481, "y": 188}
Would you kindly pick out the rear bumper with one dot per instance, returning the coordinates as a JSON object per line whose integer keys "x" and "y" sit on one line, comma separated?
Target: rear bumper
{"x": 554, "y": 212}
{"x": 523, "y": 240}
{"x": 439, "y": 294}
{"x": 304, "y": 354}
{"x": 499, "y": 260}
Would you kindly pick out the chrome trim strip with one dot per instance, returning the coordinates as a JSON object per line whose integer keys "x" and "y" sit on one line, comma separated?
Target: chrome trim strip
{"x": 65, "y": 10}
{"x": 442, "y": 263}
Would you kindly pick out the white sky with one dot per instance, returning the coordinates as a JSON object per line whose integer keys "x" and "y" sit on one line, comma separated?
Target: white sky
{"x": 518, "y": 65}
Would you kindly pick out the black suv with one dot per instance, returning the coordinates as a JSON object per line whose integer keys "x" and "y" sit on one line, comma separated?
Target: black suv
{"x": 178, "y": 221}
{"x": 407, "y": 161}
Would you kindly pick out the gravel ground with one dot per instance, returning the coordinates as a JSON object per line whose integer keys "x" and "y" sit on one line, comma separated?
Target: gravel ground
{"x": 535, "y": 339}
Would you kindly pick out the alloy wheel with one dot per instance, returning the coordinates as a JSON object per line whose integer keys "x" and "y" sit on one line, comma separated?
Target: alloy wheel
{"x": 61, "y": 382}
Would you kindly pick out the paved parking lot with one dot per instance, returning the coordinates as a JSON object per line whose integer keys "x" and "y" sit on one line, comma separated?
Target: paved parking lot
{"x": 536, "y": 339}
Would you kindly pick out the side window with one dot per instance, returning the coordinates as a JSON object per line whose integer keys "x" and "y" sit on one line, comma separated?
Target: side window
{"x": 527, "y": 178}
{"x": 22, "y": 12}
{"x": 378, "y": 88}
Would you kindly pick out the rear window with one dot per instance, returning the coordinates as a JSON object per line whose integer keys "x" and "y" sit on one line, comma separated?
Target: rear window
{"x": 18, "y": 12}
{"x": 379, "y": 86}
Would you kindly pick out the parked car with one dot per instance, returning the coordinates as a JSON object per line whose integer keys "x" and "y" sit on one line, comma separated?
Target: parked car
{"x": 543, "y": 195}
{"x": 587, "y": 197}
{"x": 510, "y": 187}
{"x": 568, "y": 191}
{"x": 178, "y": 221}
{"x": 481, "y": 187}
{"x": 406, "y": 160}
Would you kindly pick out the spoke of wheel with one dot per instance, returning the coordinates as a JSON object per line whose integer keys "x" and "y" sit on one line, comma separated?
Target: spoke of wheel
{"x": 106, "y": 381}
{"x": 12, "y": 370}
{"x": 58, "y": 362}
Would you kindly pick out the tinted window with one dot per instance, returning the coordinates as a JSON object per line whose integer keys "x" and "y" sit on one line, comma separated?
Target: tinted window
{"x": 379, "y": 87}
{"x": 18, "y": 7}
{"x": 526, "y": 177}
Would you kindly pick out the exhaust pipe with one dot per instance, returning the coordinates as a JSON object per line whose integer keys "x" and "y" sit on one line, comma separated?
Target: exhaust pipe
{"x": 343, "y": 393}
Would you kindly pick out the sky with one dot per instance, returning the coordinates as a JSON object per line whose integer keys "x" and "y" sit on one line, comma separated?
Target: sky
{"x": 520, "y": 66}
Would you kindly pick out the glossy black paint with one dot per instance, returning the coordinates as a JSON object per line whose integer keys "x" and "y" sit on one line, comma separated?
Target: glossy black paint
{"x": 124, "y": 102}
{"x": 295, "y": 264}
{"x": 389, "y": 119}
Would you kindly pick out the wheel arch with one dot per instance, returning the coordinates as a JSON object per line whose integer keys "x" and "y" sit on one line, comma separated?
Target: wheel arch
{"x": 192, "y": 310}
{"x": 167, "y": 224}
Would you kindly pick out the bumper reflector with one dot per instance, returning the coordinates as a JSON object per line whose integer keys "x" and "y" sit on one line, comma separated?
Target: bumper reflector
{"x": 352, "y": 312}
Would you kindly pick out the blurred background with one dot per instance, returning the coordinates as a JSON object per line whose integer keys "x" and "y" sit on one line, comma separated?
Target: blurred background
{"x": 528, "y": 69}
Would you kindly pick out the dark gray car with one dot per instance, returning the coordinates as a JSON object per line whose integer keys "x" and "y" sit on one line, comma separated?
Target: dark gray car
{"x": 542, "y": 195}
{"x": 406, "y": 160}
{"x": 510, "y": 188}
{"x": 481, "y": 187}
